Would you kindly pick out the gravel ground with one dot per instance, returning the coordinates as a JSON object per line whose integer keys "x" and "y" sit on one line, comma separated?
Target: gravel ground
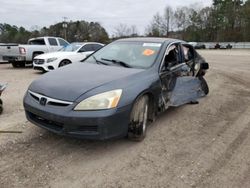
{"x": 204, "y": 145}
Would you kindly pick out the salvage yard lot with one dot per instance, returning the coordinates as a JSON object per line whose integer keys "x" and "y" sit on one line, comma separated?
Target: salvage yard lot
{"x": 204, "y": 145}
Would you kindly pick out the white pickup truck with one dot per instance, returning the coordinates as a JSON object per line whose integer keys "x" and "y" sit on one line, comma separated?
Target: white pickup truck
{"x": 21, "y": 54}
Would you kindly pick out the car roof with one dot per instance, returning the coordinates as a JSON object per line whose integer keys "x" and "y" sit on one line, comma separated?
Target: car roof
{"x": 83, "y": 43}
{"x": 150, "y": 39}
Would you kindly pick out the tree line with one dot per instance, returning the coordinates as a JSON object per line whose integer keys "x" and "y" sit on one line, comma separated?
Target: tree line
{"x": 71, "y": 31}
{"x": 224, "y": 20}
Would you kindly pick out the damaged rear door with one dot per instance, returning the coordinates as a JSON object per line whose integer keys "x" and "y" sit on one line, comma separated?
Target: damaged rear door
{"x": 181, "y": 74}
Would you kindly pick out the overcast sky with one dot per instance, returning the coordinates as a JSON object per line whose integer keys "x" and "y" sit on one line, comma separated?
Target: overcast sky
{"x": 109, "y": 13}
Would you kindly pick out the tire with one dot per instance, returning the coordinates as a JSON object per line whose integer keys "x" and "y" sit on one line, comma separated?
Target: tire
{"x": 204, "y": 85}
{"x": 14, "y": 64}
{"x": 21, "y": 64}
{"x": 64, "y": 62}
{"x": 1, "y": 106}
{"x": 17, "y": 64}
{"x": 139, "y": 119}
{"x": 35, "y": 54}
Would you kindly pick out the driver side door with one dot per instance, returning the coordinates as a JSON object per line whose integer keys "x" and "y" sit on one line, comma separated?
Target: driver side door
{"x": 181, "y": 81}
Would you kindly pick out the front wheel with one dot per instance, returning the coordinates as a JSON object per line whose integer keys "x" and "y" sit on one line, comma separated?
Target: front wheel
{"x": 204, "y": 85}
{"x": 1, "y": 106}
{"x": 139, "y": 119}
{"x": 64, "y": 62}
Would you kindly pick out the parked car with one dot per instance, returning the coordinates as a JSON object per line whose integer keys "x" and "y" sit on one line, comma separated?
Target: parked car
{"x": 74, "y": 52}
{"x": 21, "y": 54}
{"x": 197, "y": 45}
{"x": 221, "y": 46}
{"x": 118, "y": 90}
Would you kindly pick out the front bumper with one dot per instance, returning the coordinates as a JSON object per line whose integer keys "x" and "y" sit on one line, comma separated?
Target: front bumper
{"x": 44, "y": 67}
{"x": 97, "y": 125}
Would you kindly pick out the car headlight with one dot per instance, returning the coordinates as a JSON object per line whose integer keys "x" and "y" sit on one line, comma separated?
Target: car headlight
{"x": 51, "y": 59}
{"x": 106, "y": 100}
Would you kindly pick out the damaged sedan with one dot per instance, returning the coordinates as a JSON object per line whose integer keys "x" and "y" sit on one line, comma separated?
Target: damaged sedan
{"x": 118, "y": 90}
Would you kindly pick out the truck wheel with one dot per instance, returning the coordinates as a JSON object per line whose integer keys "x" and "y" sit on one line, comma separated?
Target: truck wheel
{"x": 21, "y": 64}
{"x": 35, "y": 54}
{"x": 15, "y": 64}
{"x": 139, "y": 119}
{"x": 64, "y": 62}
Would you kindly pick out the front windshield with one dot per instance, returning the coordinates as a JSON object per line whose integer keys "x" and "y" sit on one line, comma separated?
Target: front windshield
{"x": 71, "y": 47}
{"x": 131, "y": 54}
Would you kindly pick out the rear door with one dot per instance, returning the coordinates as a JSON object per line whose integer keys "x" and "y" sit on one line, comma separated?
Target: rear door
{"x": 53, "y": 44}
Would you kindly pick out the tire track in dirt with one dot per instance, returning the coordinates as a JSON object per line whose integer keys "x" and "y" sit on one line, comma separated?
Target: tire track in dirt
{"x": 217, "y": 155}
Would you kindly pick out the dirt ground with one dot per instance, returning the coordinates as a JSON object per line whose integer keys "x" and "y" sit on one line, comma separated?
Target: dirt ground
{"x": 204, "y": 145}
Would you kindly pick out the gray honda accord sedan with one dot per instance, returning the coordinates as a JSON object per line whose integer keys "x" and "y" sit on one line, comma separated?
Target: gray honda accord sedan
{"x": 118, "y": 90}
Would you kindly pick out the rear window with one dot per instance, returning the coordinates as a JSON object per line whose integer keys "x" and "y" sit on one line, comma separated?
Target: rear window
{"x": 36, "y": 42}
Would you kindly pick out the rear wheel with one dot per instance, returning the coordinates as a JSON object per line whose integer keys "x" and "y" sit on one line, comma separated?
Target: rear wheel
{"x": 139, "y": 119}
{"x": 35, "y": 54}
{"x": 64, "y": 62}
{"x": 22, "y": 64}
{"x": 14, "y": 64}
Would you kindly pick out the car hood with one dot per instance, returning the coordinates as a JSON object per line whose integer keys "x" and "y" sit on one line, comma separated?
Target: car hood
{"x": 54, "y": 54}
{"x": 70, "y": 82}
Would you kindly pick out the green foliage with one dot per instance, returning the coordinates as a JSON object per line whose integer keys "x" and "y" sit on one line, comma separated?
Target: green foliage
{"x": 76, "y": 31}
{"x": 225, "y": 20}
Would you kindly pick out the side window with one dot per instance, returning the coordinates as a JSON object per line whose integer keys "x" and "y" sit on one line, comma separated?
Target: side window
{"x": 52, "y": 42}
{"x": 82, "y": 49}
{"x": 96, "y": 47}
{"x": 172, "y": 56}
{"x": 86, "y": 48}
{"x": 89, "y": 47}
{"x": 189, "y": 53}
{"x": 62, "y": 42}
{"x": 37, "y": 42}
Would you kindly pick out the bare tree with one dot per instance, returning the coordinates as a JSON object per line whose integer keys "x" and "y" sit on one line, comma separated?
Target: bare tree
{"x": 123, "y": 30}
{"x": 169, "y": 19}
{"x": 156, "y": 27}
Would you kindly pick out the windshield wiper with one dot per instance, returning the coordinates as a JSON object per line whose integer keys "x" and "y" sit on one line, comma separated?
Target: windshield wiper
{"x": 98, "y": 61}
{"x": 117, "y": 62}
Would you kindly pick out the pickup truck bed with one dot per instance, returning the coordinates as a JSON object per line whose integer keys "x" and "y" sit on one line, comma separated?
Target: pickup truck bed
{"x": 19, "y": 55}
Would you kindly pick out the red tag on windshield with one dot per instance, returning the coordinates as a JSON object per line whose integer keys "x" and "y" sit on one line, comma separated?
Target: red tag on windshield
{"x": 148, "y": 52}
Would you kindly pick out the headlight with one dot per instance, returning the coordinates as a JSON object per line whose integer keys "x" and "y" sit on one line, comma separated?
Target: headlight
{"x": 101, "y": 101}
{"x": 51, "y": 59}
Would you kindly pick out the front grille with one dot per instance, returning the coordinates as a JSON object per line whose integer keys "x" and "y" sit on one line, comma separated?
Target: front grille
{"x": 57, "y": 104}
{"x": 50, "y": 101}
{"x": 39, "y": 61}
{"x": 34, "y": 97}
